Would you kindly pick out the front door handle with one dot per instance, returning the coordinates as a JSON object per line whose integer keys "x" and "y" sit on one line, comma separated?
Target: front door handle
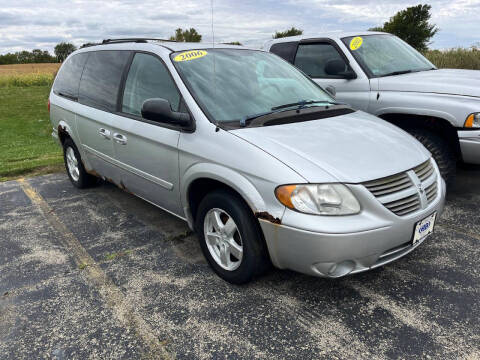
{"x": 120, "y": 139}
{"x": 104, "y": 133}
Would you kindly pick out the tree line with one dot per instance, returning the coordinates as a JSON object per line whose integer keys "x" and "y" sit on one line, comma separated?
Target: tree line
{"x": 412, "y": 25}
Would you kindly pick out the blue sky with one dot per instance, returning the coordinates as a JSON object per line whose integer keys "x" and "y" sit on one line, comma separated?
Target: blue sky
{"x": 29, "y": 24}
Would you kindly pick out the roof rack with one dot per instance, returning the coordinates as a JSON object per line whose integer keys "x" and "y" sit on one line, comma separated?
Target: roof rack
{"x": 137, "y": 40}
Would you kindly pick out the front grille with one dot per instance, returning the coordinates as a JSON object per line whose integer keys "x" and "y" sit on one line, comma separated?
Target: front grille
{"x": 406, "y": 192}
{"x": 389, "y": 184}
{"x": 424, "y": 171}
{"x": 404, "y": 206}
{"x": 431, "y": 192}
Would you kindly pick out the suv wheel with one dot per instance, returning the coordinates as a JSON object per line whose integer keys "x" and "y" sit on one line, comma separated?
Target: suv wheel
{"x": 441, "y": 151}
{"x": 230, "y": 238}
{"x": 75, "y": 170}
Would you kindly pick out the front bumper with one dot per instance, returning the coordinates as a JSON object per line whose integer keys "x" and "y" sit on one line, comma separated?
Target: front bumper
{"x": 382, "y": 237}
{"x": 470, "y": 145}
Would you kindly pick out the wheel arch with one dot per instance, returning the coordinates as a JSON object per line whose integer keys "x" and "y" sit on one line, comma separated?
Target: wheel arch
{"x": 438, "y": 125}
{"x": 200, "y": 179}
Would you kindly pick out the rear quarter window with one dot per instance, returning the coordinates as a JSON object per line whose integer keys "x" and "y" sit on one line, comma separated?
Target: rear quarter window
{"x": 101, "y": 79}
{"x": 68, "y": 78}
{"x": 285, "y": 50}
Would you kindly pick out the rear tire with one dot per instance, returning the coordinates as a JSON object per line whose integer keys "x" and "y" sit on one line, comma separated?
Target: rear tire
{"x": 74, "y": 165}
{"x": 231, "y": 238}
{"x": 441, "y": 151}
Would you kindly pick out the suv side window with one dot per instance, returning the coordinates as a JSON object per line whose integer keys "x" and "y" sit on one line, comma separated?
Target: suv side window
{"x": 148, "y": 78}
{"x": 101, "y": 79}
{"x": 68, "y": 78}
{"x": 285, "y": 50}
{"x": 312, "y": 59}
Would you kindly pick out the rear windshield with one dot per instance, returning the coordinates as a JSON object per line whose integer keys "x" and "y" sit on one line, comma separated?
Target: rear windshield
{"x": 230, "y": 84}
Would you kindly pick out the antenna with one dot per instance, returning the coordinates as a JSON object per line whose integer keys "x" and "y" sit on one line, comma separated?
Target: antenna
{"x": 213, "y": 33}
{"x": 214, "y": 72}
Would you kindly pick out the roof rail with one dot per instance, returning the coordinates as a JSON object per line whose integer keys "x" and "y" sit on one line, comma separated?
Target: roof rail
{"x": 137, "y": 40}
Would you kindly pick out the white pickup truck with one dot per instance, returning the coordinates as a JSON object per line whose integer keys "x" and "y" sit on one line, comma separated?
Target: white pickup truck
{"x": 381, "y": 74}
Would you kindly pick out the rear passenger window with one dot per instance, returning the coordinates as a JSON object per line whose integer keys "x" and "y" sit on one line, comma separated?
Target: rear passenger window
{"x": 148, "y": 78}
{"x": 101, "y": 79}
{"x": 313, "y": 58}
{"x": 68, "y": 78}
{"x": 285, "y": 50}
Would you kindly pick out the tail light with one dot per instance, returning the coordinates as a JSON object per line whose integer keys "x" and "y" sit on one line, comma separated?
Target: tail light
{"x": 48, "y": 105}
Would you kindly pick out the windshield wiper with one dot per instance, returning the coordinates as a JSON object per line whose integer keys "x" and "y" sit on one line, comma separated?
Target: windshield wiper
{"x": 276, "y": 109}
{"x": 302, "y": 104}
{"x": 398, "y": 72}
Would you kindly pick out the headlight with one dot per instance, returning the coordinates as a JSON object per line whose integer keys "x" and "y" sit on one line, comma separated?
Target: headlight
{"x": 318, "y": 199}
{"x": 473, "y": 121}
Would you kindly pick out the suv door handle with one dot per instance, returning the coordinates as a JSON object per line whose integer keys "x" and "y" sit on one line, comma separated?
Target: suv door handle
{"x": 104, "y": 133}
{"x": 120, "y": 139}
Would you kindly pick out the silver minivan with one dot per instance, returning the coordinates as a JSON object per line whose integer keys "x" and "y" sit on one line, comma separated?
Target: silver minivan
{"x": 256, "y": 157}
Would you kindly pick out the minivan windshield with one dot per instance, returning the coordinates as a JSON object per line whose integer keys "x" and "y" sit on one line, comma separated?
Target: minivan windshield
{"x": 384, "y": 55}
{"x": 235, "y": 84}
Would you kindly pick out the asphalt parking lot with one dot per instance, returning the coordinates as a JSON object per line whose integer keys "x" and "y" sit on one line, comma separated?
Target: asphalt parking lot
{"x": 99, "y": 273}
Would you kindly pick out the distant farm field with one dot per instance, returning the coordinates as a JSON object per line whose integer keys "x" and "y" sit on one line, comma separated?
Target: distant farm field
{"x": 26, "y": 146}
{"x": 27, "y": 74}
{"x": 19, "y": 69}
{"x": 455, "y": 58}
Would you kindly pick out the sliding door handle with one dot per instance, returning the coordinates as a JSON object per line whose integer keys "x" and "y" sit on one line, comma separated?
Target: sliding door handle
{"x": 104, "y": 133}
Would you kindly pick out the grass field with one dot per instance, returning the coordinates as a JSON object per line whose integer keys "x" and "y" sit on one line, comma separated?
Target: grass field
{"x": 455, "y": 58}
{"x": 27, "y": 74}
{"x": 26, "y": 146}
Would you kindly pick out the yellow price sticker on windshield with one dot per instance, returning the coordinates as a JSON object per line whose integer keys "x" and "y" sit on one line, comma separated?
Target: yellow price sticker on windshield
{"x": 356, "y": 42}
{"x": 190, "y": 55}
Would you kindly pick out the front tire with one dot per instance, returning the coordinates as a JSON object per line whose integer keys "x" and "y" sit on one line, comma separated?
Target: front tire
{"x": 441, "y": 151}
{"x": 74, "y": 165}
{"x": 231, "y": 238}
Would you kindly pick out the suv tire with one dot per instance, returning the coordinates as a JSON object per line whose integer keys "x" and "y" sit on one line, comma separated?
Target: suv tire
{"x": 441, "y": 151}
{"x": 231, "y": 238}
{"x": 74, "y": 165}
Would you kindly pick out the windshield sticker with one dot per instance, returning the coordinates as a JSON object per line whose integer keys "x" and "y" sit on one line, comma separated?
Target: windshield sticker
{"x": 190, "y": 55}
{"x": 356, "y": 42}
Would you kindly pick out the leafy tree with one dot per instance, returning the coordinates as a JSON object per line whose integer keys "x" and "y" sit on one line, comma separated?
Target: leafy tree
{"x": 290, "y": 32}
{"x": 64, "y": 49}
{"x": 186, "y": 35}
{"x": 412, "y": 25}
{"x": 25, "y": 57}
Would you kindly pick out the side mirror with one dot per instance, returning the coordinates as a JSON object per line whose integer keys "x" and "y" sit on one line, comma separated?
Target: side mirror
{"x": 159, "y": 110}
{"x": 338, "y": 67}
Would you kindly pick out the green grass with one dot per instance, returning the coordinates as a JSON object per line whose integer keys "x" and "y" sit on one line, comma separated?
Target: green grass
{"x": 26, "y": 145}
{"x": 26, "y": 80}
{"x": 459, "y": 58}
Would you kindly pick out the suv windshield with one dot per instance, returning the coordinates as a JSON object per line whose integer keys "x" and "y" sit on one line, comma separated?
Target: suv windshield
{"x": 235, "y": 84}
{"x": 383, "y": 55}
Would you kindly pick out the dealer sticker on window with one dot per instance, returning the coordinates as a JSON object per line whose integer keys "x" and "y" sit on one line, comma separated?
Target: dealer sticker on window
{"x": 190, "y": 55}
{"x": 356, "y": 42}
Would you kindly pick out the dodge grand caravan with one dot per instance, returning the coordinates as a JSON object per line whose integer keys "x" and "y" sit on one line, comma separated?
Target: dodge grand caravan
{"x": 381, "y": 74}
{"x": 256, "y": 157}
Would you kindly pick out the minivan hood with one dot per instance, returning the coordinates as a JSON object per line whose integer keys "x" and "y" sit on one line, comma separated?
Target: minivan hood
{"x": 351, "y": 148}
{"x": 442, "y": 81}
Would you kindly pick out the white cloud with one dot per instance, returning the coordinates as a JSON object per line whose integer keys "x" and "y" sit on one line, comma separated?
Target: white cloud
{"x": 27, "y": 24}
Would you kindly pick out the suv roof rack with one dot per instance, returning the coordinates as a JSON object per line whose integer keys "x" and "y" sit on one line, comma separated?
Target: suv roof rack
{"x": 137, "y": 40}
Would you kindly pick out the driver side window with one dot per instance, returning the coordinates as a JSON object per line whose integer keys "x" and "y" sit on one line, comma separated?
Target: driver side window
{"x": 148, "y": 78}
{"x": 315, "y": 59}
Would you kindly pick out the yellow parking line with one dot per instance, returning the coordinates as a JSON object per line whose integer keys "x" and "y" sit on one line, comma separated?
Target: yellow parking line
{"x": 112, "y": 294}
